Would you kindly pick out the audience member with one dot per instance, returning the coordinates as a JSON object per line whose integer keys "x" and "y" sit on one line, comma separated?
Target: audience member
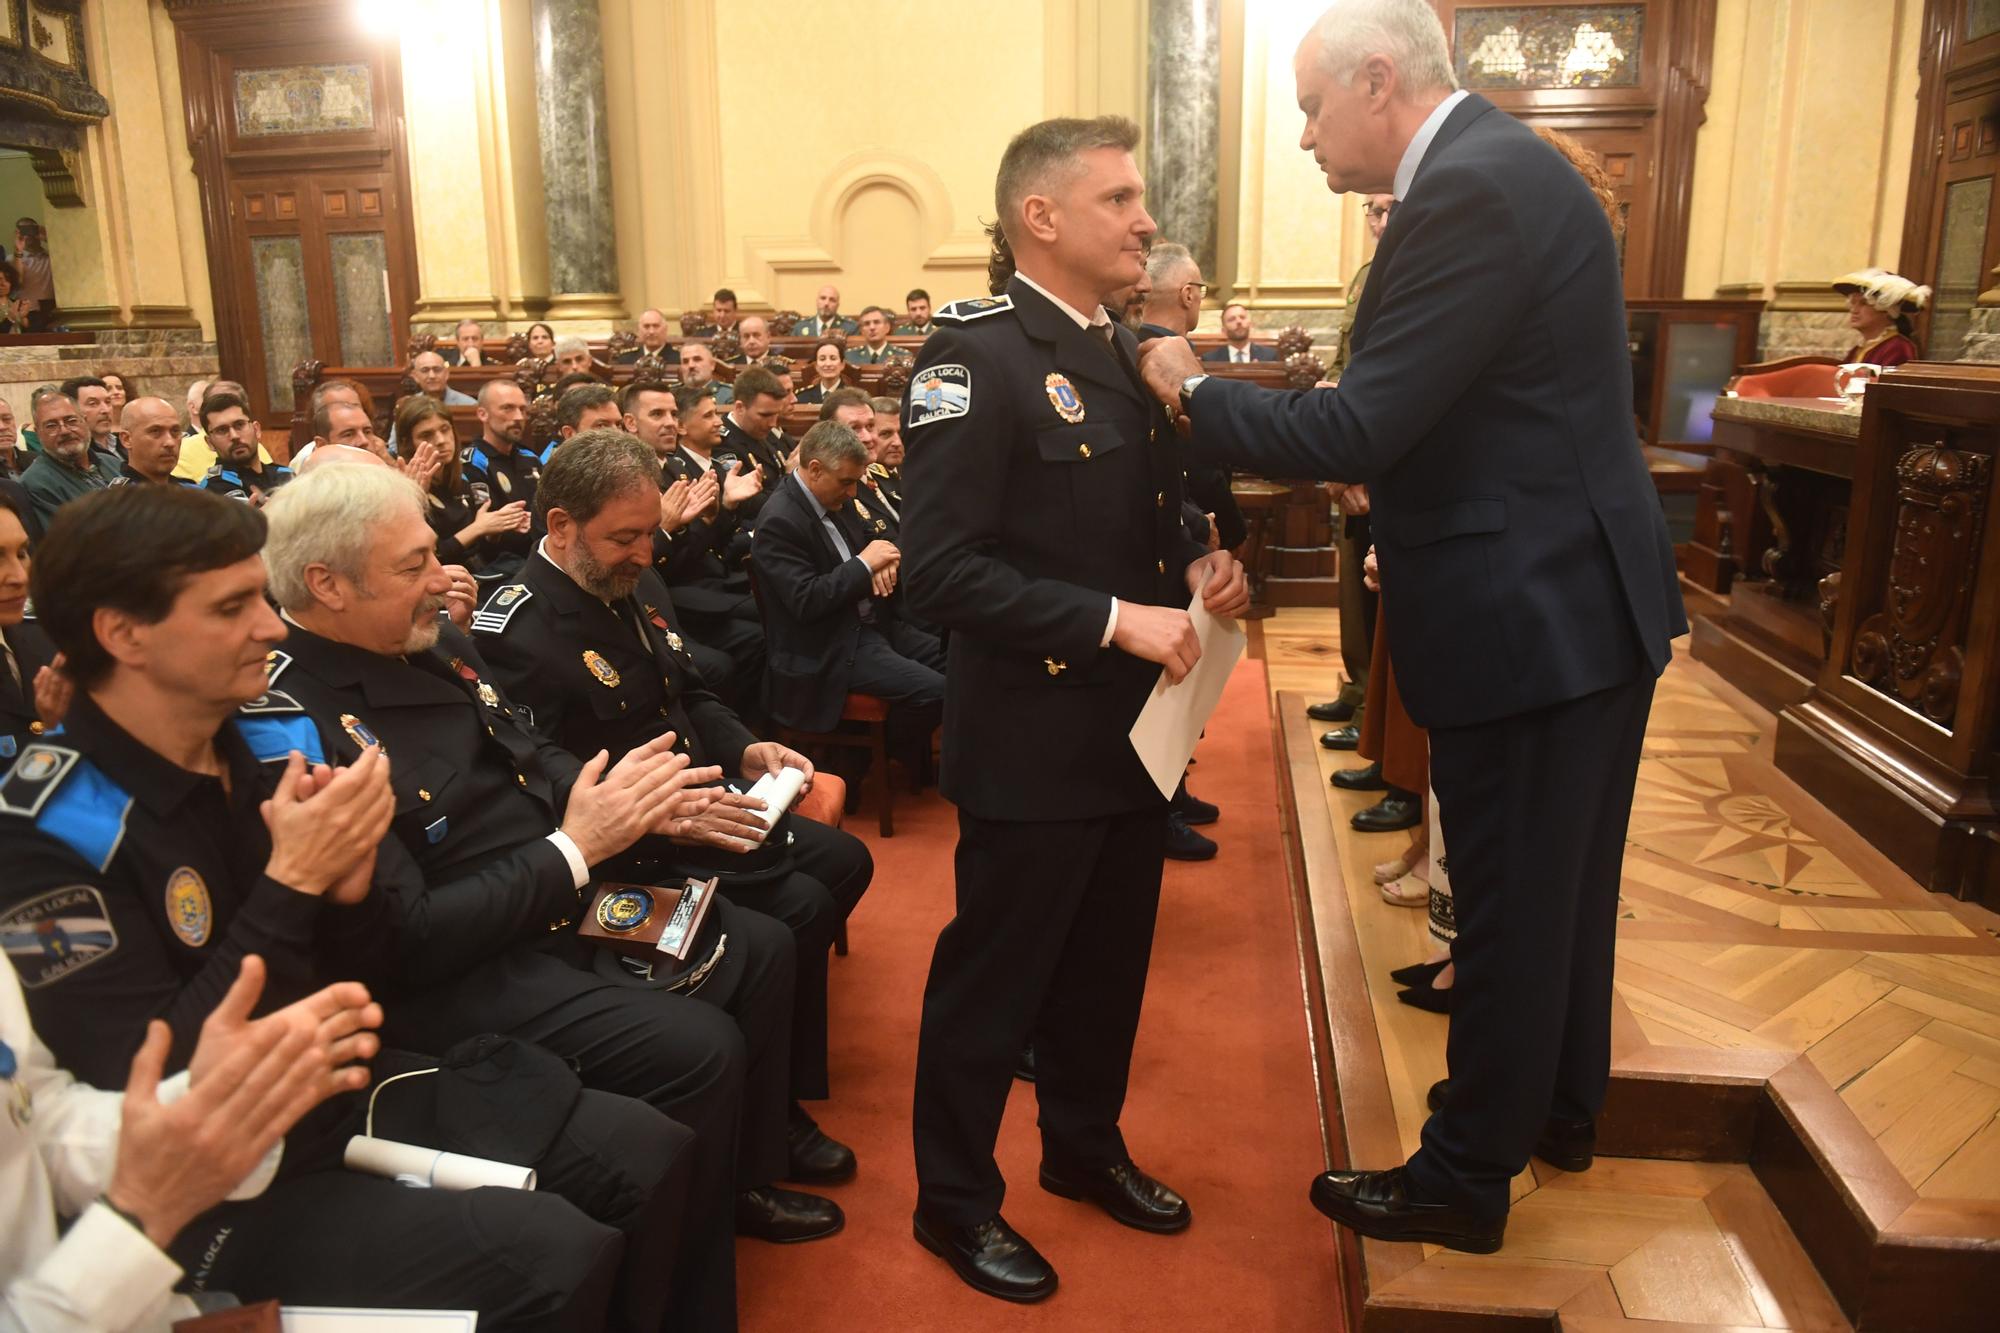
{"x": 829, "y": 371}
{"x": 652, "y": 340}
{"x": 855, "y": 410}
{"x": 32, "y": 694}
{"x": 573, "y": 356}
{"x": 468, "y": 344}
{"x": 195, "y": 393}
{"x": 152, "y": 431}
{"x": 67, "y": 467}
{"x": 885, "y": 473}
{"x": 433, "y": 376}
{"x": 462, "y": 514}
{"x": 750, "y": 429}
{"x": 198, "y": 453}
{"x": 1238, "y": 348}
{"x": 754, "y": 333}
{"x": 92, "y": 397}
{"x": 38, "y": 282}
{"x": 722, "y": 311}
{"x": 11, "y": 462}
{"x": 240, "y": 472}
{"x": 828, "y": 601}
{"x": 917, "y": 308}
{"x": 698, "y": 368}
{"x": 121, "y": 392}
{"x": 826, "y": 316}
{"x": 649, "y": 412}
{"x": 592, "y": 597}
{"x": 1375, "y": 210}
{"x": 541, "y": 340}
{"x": 15, "y": 310}
{"x": 164, "y": 628}
{"x": 504, "y": 466}
{"x": 874, "y": 348}
{"x": 585, "y": 407}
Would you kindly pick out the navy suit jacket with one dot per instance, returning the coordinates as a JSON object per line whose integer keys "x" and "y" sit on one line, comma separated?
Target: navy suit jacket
{"x": 809, "y": 596}
{"x": 1488, "y": 405}
{"x": 1258, "y": 352}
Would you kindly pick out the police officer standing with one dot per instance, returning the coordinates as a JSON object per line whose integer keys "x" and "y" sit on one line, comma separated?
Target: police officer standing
{"x": 1042, "y": 527}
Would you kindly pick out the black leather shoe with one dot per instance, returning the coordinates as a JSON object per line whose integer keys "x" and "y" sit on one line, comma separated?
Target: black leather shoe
{"x": 1124, "y": 1191}
{"x": 1360, "y": 779}
{"x": 815, "y": 1158}
{"x": 1334, "y": 710}
{"x": 1191, "y": 808}
{"x": 1427, "y": 998}
{"x": 1024, "y": 1068}
{"x": 1421, "y": 974}
{"x": 1398, "y": 809}
{"x": 1342, "y": 738}
{"x": 785, "y": 1217}
{"x": 1183, "y": 843}
{"x": 992, "y": 1258}
{"x": 1567, "y": 1145}
{"x": 1378, "y": 1204}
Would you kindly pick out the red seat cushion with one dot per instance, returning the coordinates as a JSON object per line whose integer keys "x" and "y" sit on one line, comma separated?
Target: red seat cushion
{"x": 825, "y": 803}
{"x": 864, "y": 708}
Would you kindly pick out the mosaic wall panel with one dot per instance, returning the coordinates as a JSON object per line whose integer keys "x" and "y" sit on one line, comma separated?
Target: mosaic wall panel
{"x": 278, "y": 263}
{"x": 304, "y": 99}
{"x": 1966, "y": 205}
{"x": 1550, "y": 46}
{"x": 361, "y": 298}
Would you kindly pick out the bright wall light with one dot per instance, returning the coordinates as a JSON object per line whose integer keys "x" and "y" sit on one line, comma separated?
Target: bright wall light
{"x": 376, "y": 17}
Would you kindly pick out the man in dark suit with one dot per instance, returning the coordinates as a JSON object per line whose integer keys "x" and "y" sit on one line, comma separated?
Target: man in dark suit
{"x": 652, "y": 329}
{"x": 828, "y": 609}
{"x": 1239, "y": 349}
{"x": 826, "y": 317}
{"x": 1489, "y": 408}
{"x": 1043, "y": 530}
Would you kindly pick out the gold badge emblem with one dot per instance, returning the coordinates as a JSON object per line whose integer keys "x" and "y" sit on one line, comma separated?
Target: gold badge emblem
{"x": 506, "y": 483}
{"x": 358, "y": 732}
{"x": 488, "y": 695}
{"x": 1068, "y": 405}
{"x": 603, "y": 670}
{"x": 188, "y": 910}
{"x": 1055, "y": 668}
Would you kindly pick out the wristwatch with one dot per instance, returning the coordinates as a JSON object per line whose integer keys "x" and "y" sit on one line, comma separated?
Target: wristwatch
{"x": 1188, "y": 386}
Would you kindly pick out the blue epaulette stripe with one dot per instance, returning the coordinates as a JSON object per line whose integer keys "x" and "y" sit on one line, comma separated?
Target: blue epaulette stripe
{"x": 272, "y": 739}
{"x": 88, "y": 813}
{"x": 477, "y": 458}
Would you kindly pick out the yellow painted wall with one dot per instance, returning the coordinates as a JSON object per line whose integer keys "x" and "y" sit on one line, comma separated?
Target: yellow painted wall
{"x": 1802, "y": 168}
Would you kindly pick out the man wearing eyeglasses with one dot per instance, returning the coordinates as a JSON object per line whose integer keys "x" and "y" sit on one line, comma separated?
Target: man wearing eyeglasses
{"x": 67, "y": 466}
{"x": 1375, "y": 208}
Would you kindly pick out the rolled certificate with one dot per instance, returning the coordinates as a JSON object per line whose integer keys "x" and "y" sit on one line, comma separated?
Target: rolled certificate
{"x": 777, "y": 791}
{"x": 431, "y": 1168}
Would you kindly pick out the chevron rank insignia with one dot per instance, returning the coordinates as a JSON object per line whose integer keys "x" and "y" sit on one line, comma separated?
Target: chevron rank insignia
{"x": 500, "y": 608}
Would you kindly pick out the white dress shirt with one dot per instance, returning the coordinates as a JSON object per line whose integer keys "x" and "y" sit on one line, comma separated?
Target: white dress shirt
{"x": 1420, "y": 143}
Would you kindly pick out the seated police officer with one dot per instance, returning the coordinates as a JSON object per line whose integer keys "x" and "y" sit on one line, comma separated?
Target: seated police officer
{"x": 239, "y": 471}
{"x": 503, "y": 829}
{"x": 502, "y": 462}
{"x": 854, "y": 409}
{"x": 140, "y": 873}
{"x": 587, "y": 640}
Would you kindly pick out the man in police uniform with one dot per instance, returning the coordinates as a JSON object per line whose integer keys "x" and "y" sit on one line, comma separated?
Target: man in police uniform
{"x": 826, "y": 317}
{"x": 1043, "y": 529}
{"x": 239, "y": 472}
{"x": 591, "y": 646}
{"x": 140, "y": 873}
{"x": 504, "y": 831}
{"x": 504, "y": 464}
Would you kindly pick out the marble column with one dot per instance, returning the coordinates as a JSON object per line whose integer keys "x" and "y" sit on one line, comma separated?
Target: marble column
{"x": 576, "y": 161}
{"x": 1184, "y": 122}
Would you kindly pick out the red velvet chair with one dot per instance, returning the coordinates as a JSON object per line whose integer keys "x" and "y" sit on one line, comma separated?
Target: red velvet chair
{"x": 1794, "y": 377}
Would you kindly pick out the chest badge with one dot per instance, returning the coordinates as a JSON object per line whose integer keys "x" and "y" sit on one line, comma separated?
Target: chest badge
{"x": 488, "y": 695}
{"x": 358, "y": 732}
{"x": 1063, "y": 394}
{"x": 606, "y": 673}
{"x": 188, "y": 908}
{"x": 502, "y": 480}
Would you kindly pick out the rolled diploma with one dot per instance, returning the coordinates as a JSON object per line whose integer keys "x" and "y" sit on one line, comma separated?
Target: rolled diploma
{"x": 777, "y": 791}
{"x": 432, "y": 1168}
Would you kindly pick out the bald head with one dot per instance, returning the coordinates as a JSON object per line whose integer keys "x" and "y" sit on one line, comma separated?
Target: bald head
{"x": 152, "y": 430}
{"x": 339, "y": 455}
{"x": 755, "y": 336}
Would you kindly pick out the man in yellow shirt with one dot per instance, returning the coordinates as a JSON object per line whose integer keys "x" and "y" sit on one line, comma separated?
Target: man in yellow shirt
{"x": 197, "y": 456}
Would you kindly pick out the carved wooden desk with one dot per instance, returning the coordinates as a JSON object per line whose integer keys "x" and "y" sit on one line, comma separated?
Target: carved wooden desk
{"x": 1770, "y": 526}
{"x": 1897, "y": 733}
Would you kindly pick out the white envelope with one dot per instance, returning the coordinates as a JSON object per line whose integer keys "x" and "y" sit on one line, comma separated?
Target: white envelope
{"x": 1170, "y": 724}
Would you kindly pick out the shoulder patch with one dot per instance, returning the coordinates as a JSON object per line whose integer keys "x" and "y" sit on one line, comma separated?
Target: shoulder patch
{"x": 70, "y": 799}
{"x": 492, "y": 618}
{"x": 271, "y": 701}
{"x": 939, "y": 393}
{"x": 276, "y": 725}
{"x": 55, "y": 933}
{"x": 275, "y": 663}
{"x": 478, "y": 459}
{"x": 978, "y": 307}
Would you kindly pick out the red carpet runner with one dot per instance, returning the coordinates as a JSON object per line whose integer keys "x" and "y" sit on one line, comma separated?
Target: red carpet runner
{"x": 1221, "y": 1104}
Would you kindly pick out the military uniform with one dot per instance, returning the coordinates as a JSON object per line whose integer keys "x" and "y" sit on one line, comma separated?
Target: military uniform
{"x": 134, "y": 889}
{"x": 507, "y": 477}
{"x": 816, "y": 327}
{"x": 861, "y": 354}
{"x": 240, "y": 482}
{"x": 703, "y": 564}
{"x": 908, "y": 330}
{"x": 20, "y": 720}
{"x": 488, "y": 902}
{"x": 602, "y": 677}
{"x": 1041, "y": 481}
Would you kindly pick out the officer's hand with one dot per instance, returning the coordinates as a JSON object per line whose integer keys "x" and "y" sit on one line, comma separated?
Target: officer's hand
{"x": 673, "y": 506}
{"x": 338, "y": 1020}
{"x": 462, "y": 598}
{"x": 321, "y": 828}
{"x": 700, "y": 496}
{"x": 53, "y": 691}
{"x": 879, "y": 555}
{"x": 743, "y": 483}
{"x": 422, "y": 465}
{"x": 177, "y": 1161}
{"x": 883, "y": 581}
{"x": 1163, "y": 364}
{"x": 730, "y": 822}
{"x": 609, "y": 810}
{"x": 1160, "y": 634}
{"x": 770, "y": 757}
{"x": 1371, "y": 573}
{"x": 1227, "y": 591}
{"x": 1353, "y": 499}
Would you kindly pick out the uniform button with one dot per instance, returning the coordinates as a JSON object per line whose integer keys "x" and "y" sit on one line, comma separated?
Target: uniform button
{"x": 1161, "y": 565}
{"x": 35, "y": 727}
{"x": 1083, "y": 451}
{"x": 489, "y": 731}
{"x": 423, "y": 795}
{"x": 521, "y": 778}
{"x": 621, "y": 705}
{"x": 1160, "y": 500}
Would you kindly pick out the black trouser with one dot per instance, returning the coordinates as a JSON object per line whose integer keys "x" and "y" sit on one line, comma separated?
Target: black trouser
{"x": 1052, "y": 938}
{"x": 590, "y": 1247}
{"x": 903, "y": 665}
{"x": 717, "y": 1063}
{"x": 1534, "y": 810}
{"x": 740, "y": 634}
{"x": 1357, "y": 608}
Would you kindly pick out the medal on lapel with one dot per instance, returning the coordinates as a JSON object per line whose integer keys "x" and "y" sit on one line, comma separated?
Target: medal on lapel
{"x": 358, "y": 732}
{"x": 1068, "y": 405}
{"x": 606, "y": 673}
{"x": 660, "y": 623}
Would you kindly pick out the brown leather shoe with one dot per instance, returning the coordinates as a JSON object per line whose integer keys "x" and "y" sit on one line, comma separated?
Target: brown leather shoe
{"x": 1124, "y": 1191}
{"x": 1378, "y": 1204}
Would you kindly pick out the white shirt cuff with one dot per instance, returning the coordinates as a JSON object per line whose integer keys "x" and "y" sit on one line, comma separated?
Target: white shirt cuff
{"x": 579, "y": 869}
{"x": 1110, "y": 626}
{"x": 104, "y": 1274}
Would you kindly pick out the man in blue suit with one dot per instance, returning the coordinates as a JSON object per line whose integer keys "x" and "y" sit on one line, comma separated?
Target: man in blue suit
{"x": 1488, "y": 406}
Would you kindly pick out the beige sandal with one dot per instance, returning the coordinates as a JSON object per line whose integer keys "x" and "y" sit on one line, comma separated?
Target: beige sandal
{"x": 1390, "y": 871}
{"x": 1409, "y": 891}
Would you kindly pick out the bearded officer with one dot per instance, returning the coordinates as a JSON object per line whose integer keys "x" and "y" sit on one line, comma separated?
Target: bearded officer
{"x": 1042, "y": 528}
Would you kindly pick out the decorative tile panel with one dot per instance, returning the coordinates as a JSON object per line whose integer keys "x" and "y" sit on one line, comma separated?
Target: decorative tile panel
{"x": 361, "y": 298}
{"x": 1550, "y": 46}
{"x": 1966, "y": 205}
{"x": 278, "y": 266}
{"x": 304, "y": 99}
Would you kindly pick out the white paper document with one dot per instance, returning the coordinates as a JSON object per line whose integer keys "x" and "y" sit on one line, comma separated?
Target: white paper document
{"x": 338, "y": 1319}
{"x": 1171, "y": 722}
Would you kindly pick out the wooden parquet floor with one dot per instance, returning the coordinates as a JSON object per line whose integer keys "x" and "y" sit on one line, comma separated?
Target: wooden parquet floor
{"x": 1750, "y": 920}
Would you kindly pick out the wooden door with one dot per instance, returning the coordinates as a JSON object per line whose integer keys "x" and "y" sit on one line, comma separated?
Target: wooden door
{"x": 295, "y": 119}
{"x": 1627, "y": 154}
